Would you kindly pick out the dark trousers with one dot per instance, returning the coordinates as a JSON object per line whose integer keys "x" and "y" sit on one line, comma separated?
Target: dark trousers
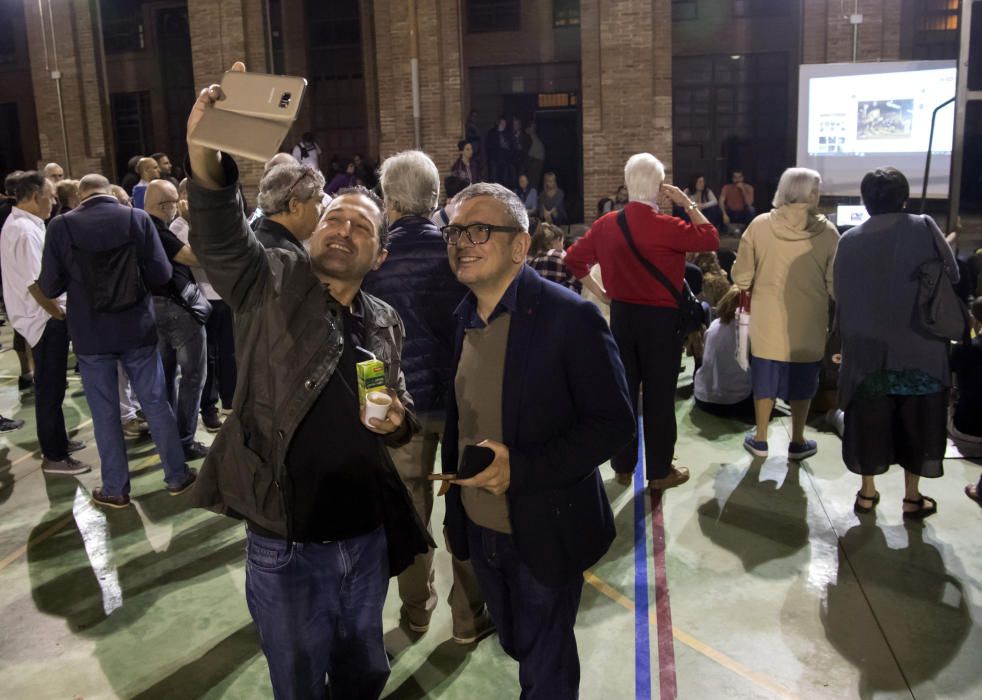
{"x": 181, "y": 342}
{"x": 220, "y": 378}
{"x": 651, "y": 350}
{"x": 50, "y": 366}
{"x": 534, "y": 622}
{"x": 318, "y": 609}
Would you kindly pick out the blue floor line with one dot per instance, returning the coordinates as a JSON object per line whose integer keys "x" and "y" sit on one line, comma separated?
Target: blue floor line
{"x": 642, "y": 642}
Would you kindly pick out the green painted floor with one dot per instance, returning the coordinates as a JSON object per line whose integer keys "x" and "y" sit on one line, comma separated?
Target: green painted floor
{"x": 776, "y": 588}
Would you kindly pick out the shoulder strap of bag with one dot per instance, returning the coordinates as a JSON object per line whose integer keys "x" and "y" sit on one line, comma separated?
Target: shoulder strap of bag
{"x": 648, "y": 265}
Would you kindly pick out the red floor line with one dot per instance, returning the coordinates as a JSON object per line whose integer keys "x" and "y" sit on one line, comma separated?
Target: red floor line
{"x": 663, "y": 606}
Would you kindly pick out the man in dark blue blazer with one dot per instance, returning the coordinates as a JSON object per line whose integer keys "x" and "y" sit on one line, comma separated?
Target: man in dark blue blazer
{"x": 540, "y": 386}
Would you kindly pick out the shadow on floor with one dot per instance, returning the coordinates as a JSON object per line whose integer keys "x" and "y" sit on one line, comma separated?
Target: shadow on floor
{"x": 759, "y": 521}
{"x": 712, "y": 427}
{"x": 99, "y": 571}
{"x": 920, "y": 608}
{"x": 208, "y": 670}
{"x": 443, "y": 664}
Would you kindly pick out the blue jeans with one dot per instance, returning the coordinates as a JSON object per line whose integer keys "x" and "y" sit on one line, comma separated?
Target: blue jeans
{"x": 101, "y": 380}
{"x": 534, "y": 622}
{"x": 318, "y": 608}
{"x": 181, "y": 341}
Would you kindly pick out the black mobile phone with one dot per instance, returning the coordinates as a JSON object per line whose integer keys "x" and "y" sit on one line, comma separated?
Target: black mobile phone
{"x": 474, "y": 460}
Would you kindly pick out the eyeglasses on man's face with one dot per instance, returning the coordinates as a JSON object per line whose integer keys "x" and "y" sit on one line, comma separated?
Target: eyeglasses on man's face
{"x": 477, "y": 234}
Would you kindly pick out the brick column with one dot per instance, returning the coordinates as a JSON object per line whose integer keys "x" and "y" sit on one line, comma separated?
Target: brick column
{"x": 828, "y": 34}
{"x": 441, "y": 96}
{"x": 626, "y": 49}
{"x": 222, "y": 32}
{"x": 85, "y": 110}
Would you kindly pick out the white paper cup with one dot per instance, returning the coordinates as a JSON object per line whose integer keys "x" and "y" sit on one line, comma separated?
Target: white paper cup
{"x": 376, "y": 406}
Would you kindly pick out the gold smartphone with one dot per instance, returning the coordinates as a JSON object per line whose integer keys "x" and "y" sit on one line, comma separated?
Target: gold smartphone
{"x": 253, "y": 117}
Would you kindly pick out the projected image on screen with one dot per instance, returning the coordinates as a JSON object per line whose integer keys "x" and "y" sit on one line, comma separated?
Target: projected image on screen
{"x": 854, "y": 117}
{"x": 888, "y": 119}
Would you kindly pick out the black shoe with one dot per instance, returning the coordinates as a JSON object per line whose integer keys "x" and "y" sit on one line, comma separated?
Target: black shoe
{"x": 8, "y": 424}
{"x": 212, "y": 422}
{"x": 112, "y": 501}
{"x": 195, "y": 450}
{"x": 25, "y": 382}
{"x": 76, "y": 446}
{"x": 184, "y": 485}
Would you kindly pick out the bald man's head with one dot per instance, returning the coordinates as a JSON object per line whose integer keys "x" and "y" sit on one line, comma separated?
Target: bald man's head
{"x": 161, "y": 200}
{"x": 148, "y": 169}
{"x": 92, "y": 184}
{"x": 278, "y": 159}
{"x": 54, "y": 172}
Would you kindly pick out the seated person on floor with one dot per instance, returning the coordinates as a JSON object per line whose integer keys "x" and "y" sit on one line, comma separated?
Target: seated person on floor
{"x": 722, "y": 387}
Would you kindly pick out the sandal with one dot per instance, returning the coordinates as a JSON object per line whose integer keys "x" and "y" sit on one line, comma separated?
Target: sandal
{"x": 923, "y": 509}
{"x": 874, "y": 499}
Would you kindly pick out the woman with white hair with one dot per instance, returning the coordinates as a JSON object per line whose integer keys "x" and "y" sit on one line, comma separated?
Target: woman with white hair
{"x": 644, "y": 313}
{"x": 785, "y": 260}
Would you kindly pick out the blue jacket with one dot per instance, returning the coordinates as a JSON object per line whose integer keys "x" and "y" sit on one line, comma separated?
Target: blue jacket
{"x": 417, "y": 282}
{"x": 565, "y": 411}
{"x": 102, "y": 223}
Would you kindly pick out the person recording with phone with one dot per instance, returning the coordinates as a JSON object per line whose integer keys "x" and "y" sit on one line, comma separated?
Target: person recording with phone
{"x": 530, "y": 418}
{"x": 328, "y": 518}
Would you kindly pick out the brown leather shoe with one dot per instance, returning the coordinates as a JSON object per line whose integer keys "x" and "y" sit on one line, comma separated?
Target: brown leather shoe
{"x": 676, "y": 477}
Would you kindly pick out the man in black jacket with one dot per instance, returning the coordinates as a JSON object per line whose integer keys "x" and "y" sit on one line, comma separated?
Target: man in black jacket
{"x": 328, "y": 519}
{"x": 182, "y": 341}
{"x": 416, "y": 279}
{"x": 539, "y": 382}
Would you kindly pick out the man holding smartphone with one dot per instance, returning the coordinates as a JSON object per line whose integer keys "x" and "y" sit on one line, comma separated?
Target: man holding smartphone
{"x": 328, "y": 519}
{"x": 538, "y": 383}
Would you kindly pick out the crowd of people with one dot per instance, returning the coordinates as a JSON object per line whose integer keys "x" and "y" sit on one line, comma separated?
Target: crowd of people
{"x": 466, "y": 324}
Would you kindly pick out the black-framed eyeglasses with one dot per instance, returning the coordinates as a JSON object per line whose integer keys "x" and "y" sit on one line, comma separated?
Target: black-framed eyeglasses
{"x": 477, "y": 234}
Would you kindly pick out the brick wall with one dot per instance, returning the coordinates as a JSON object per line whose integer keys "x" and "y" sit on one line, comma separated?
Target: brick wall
{"x": 439, "y": 78}
{"x": 626, "y": 48}
{"x": 222, "y": 32}
{"x": 84, "y": 107}
{"x": 828, "y": 34}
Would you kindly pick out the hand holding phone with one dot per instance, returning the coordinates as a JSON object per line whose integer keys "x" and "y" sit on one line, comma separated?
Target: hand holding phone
{"x": 249, "y": 114}
{"x": 494, "y": 475}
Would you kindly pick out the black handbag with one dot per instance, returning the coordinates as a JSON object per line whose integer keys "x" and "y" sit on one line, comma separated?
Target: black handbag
{"x": 195, "y": 302}
{"x": 111, "y": 278}
{"x": 692, "y": 317}
{"x": 940, "y": 311}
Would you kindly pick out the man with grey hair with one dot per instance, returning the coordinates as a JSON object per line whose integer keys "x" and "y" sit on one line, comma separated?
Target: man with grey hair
{"x": 641, "y": 253}
{"x": 539, "y": 401}
{"x": 290, "y": 197}
{"x": 54, "y": 173}
{"x": 417, "y": 281}
{"x": 277, "y": 159}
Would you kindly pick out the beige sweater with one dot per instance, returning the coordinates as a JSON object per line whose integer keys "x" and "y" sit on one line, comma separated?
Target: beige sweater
{"x": 785, "y": 258}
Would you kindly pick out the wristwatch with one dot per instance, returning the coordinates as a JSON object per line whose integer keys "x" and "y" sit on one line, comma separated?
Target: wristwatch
{"x": 692, "y": 205}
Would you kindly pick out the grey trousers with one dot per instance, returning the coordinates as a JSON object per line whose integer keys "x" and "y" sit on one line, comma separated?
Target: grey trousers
{"x": 414, "y": 462}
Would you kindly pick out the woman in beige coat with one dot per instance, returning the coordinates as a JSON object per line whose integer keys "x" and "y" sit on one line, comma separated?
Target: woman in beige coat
{"x": 785, "y": 259}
